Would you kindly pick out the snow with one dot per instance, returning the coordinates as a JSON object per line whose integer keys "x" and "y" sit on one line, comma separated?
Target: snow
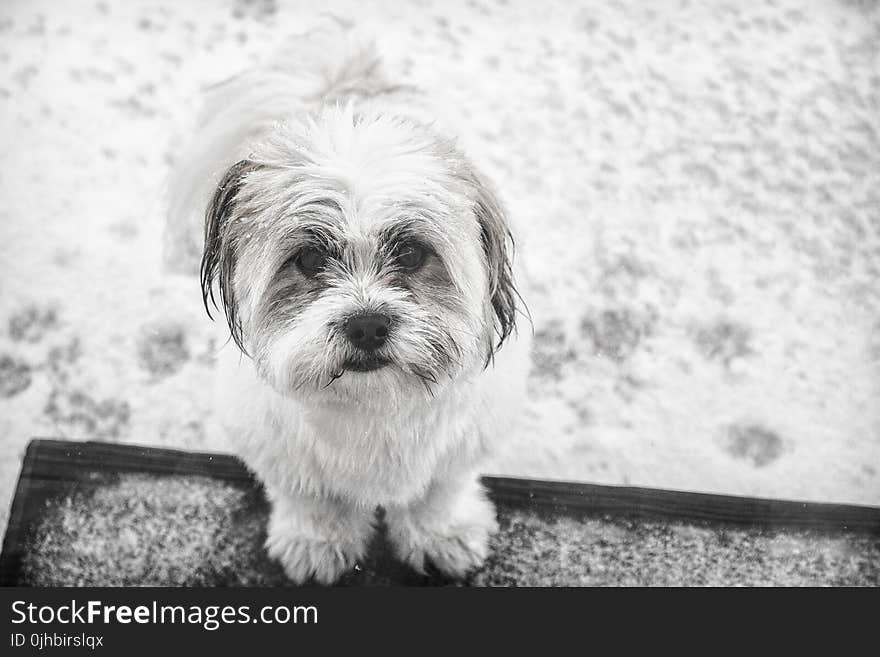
{"x": 696, "y": 192}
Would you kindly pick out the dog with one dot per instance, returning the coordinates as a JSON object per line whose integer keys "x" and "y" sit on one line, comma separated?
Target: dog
{"x": 365, "y": 270}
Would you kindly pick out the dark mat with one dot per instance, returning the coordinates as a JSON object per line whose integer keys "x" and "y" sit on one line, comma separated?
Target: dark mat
{"x": 98, "y": 514}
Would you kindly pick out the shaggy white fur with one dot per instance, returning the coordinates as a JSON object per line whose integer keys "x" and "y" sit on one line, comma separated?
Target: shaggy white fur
{"x": 331, "y": 161}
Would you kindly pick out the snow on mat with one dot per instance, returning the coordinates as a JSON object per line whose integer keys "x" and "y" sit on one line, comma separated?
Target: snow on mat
{"x": 143, "y": 530}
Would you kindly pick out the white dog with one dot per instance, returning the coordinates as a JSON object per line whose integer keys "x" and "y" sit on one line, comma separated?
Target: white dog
{"x": 365, "y": 271}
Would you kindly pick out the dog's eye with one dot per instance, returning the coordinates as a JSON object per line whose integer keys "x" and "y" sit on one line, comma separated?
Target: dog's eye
{"x": 410, "y": 256}
{"x": 311, "y": 260}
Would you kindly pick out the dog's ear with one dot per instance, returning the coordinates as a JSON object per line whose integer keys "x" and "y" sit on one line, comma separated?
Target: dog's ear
{"x": 498, "y": 246}
{"x": 219, "y": 256}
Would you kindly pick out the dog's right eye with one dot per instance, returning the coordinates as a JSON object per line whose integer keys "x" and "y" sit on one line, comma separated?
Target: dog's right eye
{"x": 311, "y": 260}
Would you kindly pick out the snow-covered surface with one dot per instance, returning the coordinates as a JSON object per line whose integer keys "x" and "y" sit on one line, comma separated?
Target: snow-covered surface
{"x": 696, "y": 191}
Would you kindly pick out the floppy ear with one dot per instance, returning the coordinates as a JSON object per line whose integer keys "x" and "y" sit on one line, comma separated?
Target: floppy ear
{"x": 218, "y": 258}
{"x": 498, "y": 246}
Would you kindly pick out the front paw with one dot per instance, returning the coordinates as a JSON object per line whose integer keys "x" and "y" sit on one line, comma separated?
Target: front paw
{"x": 454, "y": 545}
{"x": 319, "y": 544}
{"x": 304, "y": 559}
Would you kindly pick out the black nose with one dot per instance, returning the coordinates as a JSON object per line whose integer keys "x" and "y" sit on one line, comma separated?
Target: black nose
{"x": 367, "y": 332}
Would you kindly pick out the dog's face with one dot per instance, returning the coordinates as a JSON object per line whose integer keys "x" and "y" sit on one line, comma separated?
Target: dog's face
{"x": 358, "y": 256}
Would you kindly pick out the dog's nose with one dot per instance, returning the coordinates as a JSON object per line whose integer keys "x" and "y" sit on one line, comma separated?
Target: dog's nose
{"x": 367, "y": 332}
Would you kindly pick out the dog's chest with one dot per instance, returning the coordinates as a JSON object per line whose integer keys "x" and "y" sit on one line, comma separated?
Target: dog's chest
{"x": 382, "y": 458}
{"x": 373, "y": 455}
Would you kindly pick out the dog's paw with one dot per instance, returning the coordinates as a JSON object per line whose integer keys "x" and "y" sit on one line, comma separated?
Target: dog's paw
{"x": 456, "y": 554}
{"x": 305, "y": 559}
{"x": 315, "y": 540}
{"x": 455, "y": 545}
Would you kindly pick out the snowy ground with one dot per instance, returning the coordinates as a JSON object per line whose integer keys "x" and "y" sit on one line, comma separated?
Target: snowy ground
{"x": 696, "y": 191}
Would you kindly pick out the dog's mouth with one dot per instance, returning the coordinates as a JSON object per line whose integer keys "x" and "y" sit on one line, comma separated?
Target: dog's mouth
{"x": 365, "y": 364}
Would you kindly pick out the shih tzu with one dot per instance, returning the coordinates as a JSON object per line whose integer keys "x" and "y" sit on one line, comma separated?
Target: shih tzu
{"x": 365, "y": 270}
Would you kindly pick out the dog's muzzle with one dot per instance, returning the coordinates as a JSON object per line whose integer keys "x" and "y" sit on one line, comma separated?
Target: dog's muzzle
{"x": 367, "y": 332}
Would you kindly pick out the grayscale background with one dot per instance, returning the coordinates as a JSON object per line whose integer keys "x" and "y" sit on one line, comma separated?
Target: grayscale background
{"x": 695, "y": 188}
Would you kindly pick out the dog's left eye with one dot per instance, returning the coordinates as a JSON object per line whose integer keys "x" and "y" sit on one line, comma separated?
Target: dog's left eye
{"x": 311, "y": 260}
{"x": 410, "y": 256}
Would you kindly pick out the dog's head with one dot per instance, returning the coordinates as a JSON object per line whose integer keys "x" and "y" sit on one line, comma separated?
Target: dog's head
{"x": 359, "y": 255}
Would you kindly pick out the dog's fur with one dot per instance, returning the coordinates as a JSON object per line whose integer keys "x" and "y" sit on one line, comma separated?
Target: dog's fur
{"x": 316, "y": 152}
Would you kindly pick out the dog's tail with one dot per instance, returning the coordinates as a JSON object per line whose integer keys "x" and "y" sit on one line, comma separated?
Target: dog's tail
{"x": 331, "y": 63}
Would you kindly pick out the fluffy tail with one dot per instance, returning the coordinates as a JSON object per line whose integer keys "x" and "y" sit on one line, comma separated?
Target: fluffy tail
{"x": 329, "y": 63}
